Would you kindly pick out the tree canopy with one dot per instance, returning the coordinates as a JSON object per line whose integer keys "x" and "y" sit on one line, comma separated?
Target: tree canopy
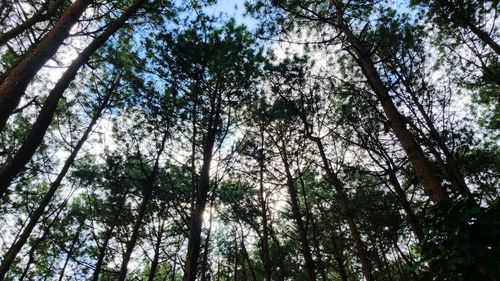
{"x": 331, "y": 140}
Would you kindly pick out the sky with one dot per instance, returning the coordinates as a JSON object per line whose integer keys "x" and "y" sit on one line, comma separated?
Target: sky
{"x": 234, "y": 9}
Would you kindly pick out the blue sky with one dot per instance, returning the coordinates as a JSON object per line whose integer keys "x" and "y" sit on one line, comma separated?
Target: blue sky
{"x": 234, "y": 9}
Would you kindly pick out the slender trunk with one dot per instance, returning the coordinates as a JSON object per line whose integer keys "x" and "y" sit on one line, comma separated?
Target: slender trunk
{"x": 304, "y": 242}
{"x": 337, "y": 253}
{"x": 411, "y": 218}
{"x": 135, "y": 232}
{"x": 54, "y": 186}
{"x": 264, "y": 242}
{"x": 31, "y": 257}
{"x": 194, "y": 181}
{"x": 236, "y": 257}
{"x": 102, "y": 253}
{"x": 339, "y": 258}
{"x": 397, "y": 121}
{"x": 39, "y": 128}
{"x": 148, "y": 193}
{"x": 39, "y": 16}
{"x": 70, "y": 253}
{"x": 320, "y": 263}
{"x": 194, "y": 241}
{"x": 383, "y": 255}
{"x": 450, "y": 166}
{"x": 174, "y": 270}
{"x": 207, "y": 243}
{"x": 14, "y": 84}
{"x": 346, "y": 211}
{"x": 485, "y": 37}
{"x": 39, "y": 240}
{"x": 247, "y": 257}
{"x": 281, "y": 263}
{"x": 154, "y": 263}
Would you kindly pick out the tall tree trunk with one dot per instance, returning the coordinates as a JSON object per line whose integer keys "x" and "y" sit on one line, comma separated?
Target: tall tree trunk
{"x": 39, "y": 128}
{"x": 411, "y": 218}
{"x": 280, "y": 262}
{"x": 247, "y": 259}
{"x": 148, "y": 193}
{"x": 337, "y": 253}
{"x": 54, "y": 186}
{"x": 301, "y": 230}
{"x": 41, "y": 15}
{"x": 154, "y": 263}
{"x": 204, "y": 267}
{"x": 397, "y": 121}
{"x": 485, "y": 37}
{"x": 102, "y": 253}
{"x": 450, "y": 166}
{"x": 14, "y": 84}
{"x": 320, "y": 263}
{"x": 346, "y": 211}
{"x": 264, "y": 240}
{"x": 194, "y": 241}
{"x": 70, "y": 253}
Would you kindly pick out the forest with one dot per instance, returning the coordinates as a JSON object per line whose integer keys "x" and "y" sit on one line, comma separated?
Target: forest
{"x": 250, "y": 140}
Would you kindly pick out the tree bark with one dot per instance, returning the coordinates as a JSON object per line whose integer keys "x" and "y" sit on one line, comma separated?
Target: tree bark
{"x": 70, "y": 253}
{"x": 39, "y": 128}
{"x": 148, "y": 193}
{"x": 14, "y": 84}
{"x": 37, "y": 17}
{"x": 397, "y": 122}
{"x": 337, "y": 253}
{"x": 102, "y": 253}
{"x": 346, "y": 211}
{"x": 207, "y": 243}
{"x": 54, "y": 186}
{"x": 194, "y": 241}
{"x": 485, "y": 37}
{"x": 264, "y": 240}
{"x": 450, "y": 166}
{"x": 154, "y": 263}
{"x": 320, "y": 263}
{"x": 304, "y": 242}
{"x": 411, "y": 218}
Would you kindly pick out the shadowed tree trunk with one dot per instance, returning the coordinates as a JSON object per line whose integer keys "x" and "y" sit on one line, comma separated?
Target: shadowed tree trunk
{"x": 102, "y": 253}
{"x": 54, "y": 186}
{"x": 39, "y": 128}
{"x": 70, "y": 252}
{"x": 301, "y": 230}
{"x": 17, "y": 79}
{"x": 264, "y": 239}
{"x": 154, "y": 263}
{"x": 41, "y": 15}
{"x": 147, "y": 195}
{"x": 346, "y": 211}
{"x": 194, "y": 243}
{"x": 204, "y": 267}
{"x": 396, "y": 121}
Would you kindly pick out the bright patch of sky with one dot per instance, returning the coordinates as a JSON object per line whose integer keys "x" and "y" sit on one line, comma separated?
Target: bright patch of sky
{"x": 232, "y": 9}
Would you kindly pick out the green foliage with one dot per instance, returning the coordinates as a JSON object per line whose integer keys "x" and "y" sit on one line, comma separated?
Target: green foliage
{"x": 462, "y": 242}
